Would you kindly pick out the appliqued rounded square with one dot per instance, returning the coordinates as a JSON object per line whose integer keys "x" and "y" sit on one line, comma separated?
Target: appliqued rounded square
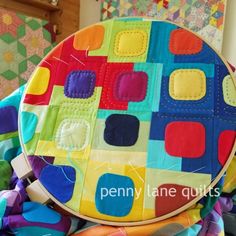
{"x": 185, "y": 139}
{"x": 225, "y": 145}
{"x": 90, "y": 38}
{"x": 108, "y": 200}
{"x": 131, "y": 43}
{"x": 131, "y": 86}
{"x": 229, "y": 91}
{"x": 73, "y": 134}
{"x": 187, "y": 84}
{"x": 39, "y": 84}
{"x": 80, "y": 84}
{"x": 183, "y": 42}
{"x": 121, "y": 130}
{"x": 164, "y": 203}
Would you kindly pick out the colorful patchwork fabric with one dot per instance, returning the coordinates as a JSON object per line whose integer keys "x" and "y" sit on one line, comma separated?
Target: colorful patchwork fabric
{"x": 9, "y": 139}
{"x": 24, "y": 41}
{"x": 210, "y": 209}
{"x": 20, "y": 217}
{"x": 124, "y": 110}
{"x": 191, "y": 228}
{"x": 181, "y": 225}
{"x": 204, "y": 17}
{"x": 6, "y": 172}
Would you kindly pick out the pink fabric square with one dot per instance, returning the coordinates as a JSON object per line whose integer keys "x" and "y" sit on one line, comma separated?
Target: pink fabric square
{"x": 131, "y": 86}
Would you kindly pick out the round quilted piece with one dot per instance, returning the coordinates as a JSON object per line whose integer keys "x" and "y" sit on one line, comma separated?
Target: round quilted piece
{"x": 129, "y": 121}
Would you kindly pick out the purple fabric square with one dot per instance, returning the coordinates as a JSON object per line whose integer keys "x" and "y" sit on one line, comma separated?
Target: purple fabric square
{"x": 8, "y": 119}
{"x": 80, "y": 84}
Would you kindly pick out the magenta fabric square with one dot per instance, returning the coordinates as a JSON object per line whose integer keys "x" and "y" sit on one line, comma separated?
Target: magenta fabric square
{"x": 131, "y": 86}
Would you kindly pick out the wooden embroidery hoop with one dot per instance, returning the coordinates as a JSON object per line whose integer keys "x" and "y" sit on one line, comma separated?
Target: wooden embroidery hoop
{"x": 37, "y": 191}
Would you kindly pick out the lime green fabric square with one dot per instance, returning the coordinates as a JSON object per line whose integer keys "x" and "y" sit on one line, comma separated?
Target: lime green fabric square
{"x": 103, "y": 51}
{"x": 129, "y": 41}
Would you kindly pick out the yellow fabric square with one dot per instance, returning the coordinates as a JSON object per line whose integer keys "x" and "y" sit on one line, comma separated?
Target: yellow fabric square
{"x": 49, "y": 148}
{"x": 39, "y": 83}
{"x": 187, "y": 84}
{"x": 229, "y": 91}
{"x": 131, "y": 43}
{"x": 94, "y": 171}
{"x": 119, "y": 157}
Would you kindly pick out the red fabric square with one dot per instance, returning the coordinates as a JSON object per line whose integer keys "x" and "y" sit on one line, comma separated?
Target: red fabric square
{"x": 69, "y": 59}
{"x": 108, "y": 99}
{"x": 63, "y": 71}
{"x": 185, "y": 139}
{"x": 168, "y": 203}
{"x": 131, "y": 86}
{"x": 225, "y": 145}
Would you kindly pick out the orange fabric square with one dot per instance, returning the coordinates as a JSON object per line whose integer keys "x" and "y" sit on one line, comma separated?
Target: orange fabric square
{"x": 90, "y": 38}
{"x": 183, "y": 42}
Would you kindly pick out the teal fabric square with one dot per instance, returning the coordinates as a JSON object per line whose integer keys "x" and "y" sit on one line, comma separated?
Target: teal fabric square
{"x": 159, "y": 47}
{"x": 29, "y": 122}
{"x": 160, "y": 159}
{"x": 37, "y": 213}
{"x": 154, "y": 76}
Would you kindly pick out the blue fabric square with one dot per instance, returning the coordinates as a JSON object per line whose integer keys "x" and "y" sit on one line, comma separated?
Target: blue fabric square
{"x": 114, "y": 195}
{"x": 203, "y": 106}
{"x": 159, "y": 48}
{"x": 80, "y": 84}
{"x": 121, "y": 130}
{"x": 198, "y": 165}
{"x": 59, "y": 181}
{"x": 221, "y": 107}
